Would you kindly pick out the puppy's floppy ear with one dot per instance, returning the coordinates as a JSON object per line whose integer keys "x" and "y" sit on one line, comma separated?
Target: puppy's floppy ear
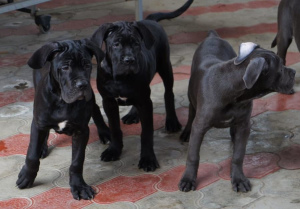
{"x": 145, "y": 33}
{"x": 94, "y": 50}
{"x": 245, "y": 50}
{"x": 101, "y": 33}
{"x": 253, "y": 71}
{"x": 42, "y": 55}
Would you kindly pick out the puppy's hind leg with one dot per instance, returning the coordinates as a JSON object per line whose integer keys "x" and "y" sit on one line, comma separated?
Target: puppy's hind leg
{"x": 131, "y": 117}
{"x": 285, "y": 33}
{"x": 185, "y": 135}
{"x": 103, "y": 130}
{"x": 165, "y": 72}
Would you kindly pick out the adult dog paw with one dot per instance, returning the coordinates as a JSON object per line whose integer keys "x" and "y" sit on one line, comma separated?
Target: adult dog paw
{"x": 84, "y": 191}
{"x": 186, "y": 185}
{"x": 111, "y": 154}
{"x": 26, "y": 178}
{"x": 172, "y": 125}
{"x": 148, "y": 163}
{"x": 241, "y": 185}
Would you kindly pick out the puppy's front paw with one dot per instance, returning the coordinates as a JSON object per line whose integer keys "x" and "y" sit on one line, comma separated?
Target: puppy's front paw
{"x": 241, "y": 185}
{"x": 26, "y": 178}
{"x": 79, "y": 189}
{"x": 172, "y": 124}
{"x": 111, "y": 154}
{"x": 186, "y": 185}
{"x": 148, "y": 163}
{"x": 85, "y": 192}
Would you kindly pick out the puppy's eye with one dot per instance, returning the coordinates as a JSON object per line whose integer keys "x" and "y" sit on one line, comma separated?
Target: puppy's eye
{"x": 116, "y": 45}
{"x": 87, "y": 66}
{"x": 65, "y": 68}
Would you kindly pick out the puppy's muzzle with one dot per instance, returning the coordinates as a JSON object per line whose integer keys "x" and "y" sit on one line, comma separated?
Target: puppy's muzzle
{"x": 128, "y": 60}
{"x": 81, "y": 84}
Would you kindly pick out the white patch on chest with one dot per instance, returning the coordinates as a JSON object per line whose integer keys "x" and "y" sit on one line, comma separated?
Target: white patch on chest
{"x": 121, "y": 98}
{"x": 62, "y": 125}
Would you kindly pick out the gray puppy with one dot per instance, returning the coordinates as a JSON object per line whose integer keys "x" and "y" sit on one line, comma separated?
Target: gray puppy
{"x": 221, "y": 90}
{"x": 288, "y": 19}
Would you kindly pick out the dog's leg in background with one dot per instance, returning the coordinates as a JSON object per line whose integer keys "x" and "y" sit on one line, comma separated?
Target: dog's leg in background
{"x": 29, "y": 171}
{"x": 164, "y": 68}
{"x": 78, "y": 186}
{"x": 239, "y": 136}
{"x": 148, "y": 160}
{"x": 114, "y": 150}
{"x": 284, "y": 35}
{"x": 185, "y": 135}
{"x": 297, "y": 30}
{"x": 131, "y": 117}
{"x": 103, "y": 130}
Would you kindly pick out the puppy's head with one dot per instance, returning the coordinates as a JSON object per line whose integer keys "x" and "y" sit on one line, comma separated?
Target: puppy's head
{"x": 265, "y": 71}
{"x": 125, "y": 45}
{"x": 70, "y": 67}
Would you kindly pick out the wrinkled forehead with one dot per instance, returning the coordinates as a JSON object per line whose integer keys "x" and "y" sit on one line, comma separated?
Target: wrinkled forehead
{"x": 123, "y": 30}
{"x": 269, "y": 56}
{"x": 72, "y": 52}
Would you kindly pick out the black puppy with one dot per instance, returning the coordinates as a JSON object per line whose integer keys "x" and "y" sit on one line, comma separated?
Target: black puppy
{"x": 135, "y": 51}
{"x": 221, "y": 90}
{"x": 288, "y": 19}
{"x": 64, "y": 101}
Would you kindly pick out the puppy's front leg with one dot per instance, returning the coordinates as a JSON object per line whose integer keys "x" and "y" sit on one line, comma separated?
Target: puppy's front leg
{"x": 239, "y": 133}
{"x": 114, "y": 150}
{"x": 79, "y": 189}
{"x": 36, "y": 149}
{"x": 148, "y": 160}
{"x": 188, "y": 180}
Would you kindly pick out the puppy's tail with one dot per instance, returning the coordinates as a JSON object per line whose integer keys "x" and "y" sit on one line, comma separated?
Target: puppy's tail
{"x": 274, "y": 43}
{"x": 169, "y": 15}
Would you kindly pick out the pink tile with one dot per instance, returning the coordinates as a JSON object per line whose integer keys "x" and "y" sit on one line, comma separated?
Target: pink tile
{"x": 277, "y": 102}
{"x": 15, "y": 203}
{"x": 207, "y": 174}
{"x": 255, "y": 165}
{"x": 123, "y": 188}
{"x": 27, "y": 95}
{"x": 292, "y": 58}
{"x": 57, "y": 198}
{"x": 8, "y": 97}
{"x": 16, "y": 145}
{"x": 16, "y": 60}
{"x": 290, "y": 157}
{"x": 184, "y": 69}
{"x": 230, "y": 7}
{"x": 232, "y": 32}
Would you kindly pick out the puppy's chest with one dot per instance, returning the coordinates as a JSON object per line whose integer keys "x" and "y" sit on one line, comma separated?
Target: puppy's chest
{"x": 67, "y": 127}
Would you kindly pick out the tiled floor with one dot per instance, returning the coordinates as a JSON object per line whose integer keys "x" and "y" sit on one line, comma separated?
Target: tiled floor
{"x": 273, "y": 152}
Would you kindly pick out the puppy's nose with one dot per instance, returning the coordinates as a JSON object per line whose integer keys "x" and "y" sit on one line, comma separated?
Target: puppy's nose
{"x": 128, "y": 60}
{"x": 81, "y": 84}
